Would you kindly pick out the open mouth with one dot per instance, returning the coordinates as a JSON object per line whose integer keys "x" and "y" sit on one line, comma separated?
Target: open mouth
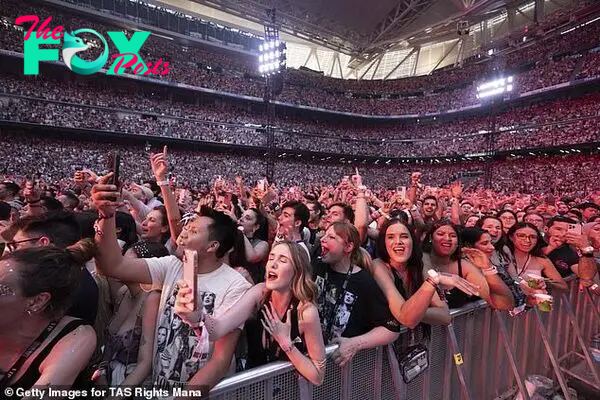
{"x": 399, "y": 250}
{"x": 271, "y": 276}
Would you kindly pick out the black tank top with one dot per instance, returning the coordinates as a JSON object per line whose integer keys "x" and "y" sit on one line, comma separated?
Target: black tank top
{"x": 32, "y": 374}
{"x": 421, "y": 333}
{"x": 269, "y": 348}
{"x": 456, "y": 298}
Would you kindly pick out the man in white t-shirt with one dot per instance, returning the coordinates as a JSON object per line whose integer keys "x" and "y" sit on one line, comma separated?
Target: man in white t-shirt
{"x": 181, "y": 355}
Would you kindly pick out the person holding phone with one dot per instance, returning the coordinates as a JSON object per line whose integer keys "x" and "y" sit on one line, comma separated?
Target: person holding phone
{"x": 289, "y": 326}
{"x": 569, "y": 249}
{"x": 188, "y": 356}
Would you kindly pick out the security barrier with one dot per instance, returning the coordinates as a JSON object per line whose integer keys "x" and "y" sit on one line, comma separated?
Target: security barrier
{"x": 482, "y": 354}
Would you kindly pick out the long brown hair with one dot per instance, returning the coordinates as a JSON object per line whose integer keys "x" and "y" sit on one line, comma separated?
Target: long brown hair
{"x": 359, "y": 256}
{"x": 303, "y": 287}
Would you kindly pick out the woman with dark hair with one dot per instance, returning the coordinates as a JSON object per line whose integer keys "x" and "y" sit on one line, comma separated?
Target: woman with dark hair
{"x": 39, "y": 344}
{"x": 501, "y": 258}
{"x": 478, "y": 248}
{"x": 155, "y": 228}
{"x": 442, "y": 252}
{"x": 525, "y": 243}
{"x": 285, "y": 305}
{"x": 508, "y": 218}
{"x": 471, "y": 221}
{"x": 254, "y": 226}
{"x": 399, "y": 273}
{"x": 127, "y": 356}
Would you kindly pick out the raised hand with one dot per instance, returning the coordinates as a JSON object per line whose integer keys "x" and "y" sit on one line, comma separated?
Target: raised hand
{"x": 456, "y": 189}
{"x": 106, "y": 197}
{"x": 159, "y": 164}
{"x": 356, "y": 178}
{"x": 280, "y": 331}
{"x": 477, "y": 257}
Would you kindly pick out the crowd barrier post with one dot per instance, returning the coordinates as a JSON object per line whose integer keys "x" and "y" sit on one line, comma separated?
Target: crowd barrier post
{"x": 590, "y": 300}
{"x": 584, "y": 348}
{"x": 512, "y": 359}
{"x": 376, "y": 375}
{"x": 346, "y": 380}
{"x": 555, "y": 365}
{"x": 457, "y": 357}
{"x": 305, "y": 388}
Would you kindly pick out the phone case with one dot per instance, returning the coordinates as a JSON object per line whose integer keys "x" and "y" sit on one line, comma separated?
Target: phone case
{"x": 190, "y": 260}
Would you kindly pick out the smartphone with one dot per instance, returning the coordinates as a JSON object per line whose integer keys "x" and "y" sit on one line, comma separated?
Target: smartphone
{"x": 114, "y": 165}
{"x": 190, "y": 261}
{"x": 261, "y": 185}
{"x": 575, "y": 228}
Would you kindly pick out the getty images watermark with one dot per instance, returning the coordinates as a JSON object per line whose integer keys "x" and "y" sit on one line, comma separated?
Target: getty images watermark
{"x": 128, "y": 56}
{"x": 104, "y": 392}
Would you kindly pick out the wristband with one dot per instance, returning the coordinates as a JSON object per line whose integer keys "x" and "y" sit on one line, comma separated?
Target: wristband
{"x": 33, "y": 201}
{"x": 162, "y": 183}
{"x": 490, "y": 271}
{"x": 288, "y": 348}
{"x": 431, "y": 282}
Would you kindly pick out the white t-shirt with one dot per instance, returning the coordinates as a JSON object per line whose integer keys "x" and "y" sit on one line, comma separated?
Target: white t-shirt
{"x": 178, "y": 352}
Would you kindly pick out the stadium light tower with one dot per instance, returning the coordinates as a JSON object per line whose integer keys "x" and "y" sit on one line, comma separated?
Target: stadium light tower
{"x": 271, "y": 65}
{"x": 492, "y": 93}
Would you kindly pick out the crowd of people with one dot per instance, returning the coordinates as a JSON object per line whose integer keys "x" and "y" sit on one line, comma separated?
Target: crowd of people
{"x": 236, "y": 73}
{"x": 33, "y": 155}
{"x": 131, "y": 265}
{"x": 136, "y": 279}
{"x": 92, "y": 106}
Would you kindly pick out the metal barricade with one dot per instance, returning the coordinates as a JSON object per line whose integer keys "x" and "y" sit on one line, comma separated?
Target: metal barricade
{"x": 481, "y": 355}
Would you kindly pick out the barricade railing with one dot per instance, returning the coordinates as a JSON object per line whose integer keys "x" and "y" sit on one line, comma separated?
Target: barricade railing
{"x": 482, "y": 354}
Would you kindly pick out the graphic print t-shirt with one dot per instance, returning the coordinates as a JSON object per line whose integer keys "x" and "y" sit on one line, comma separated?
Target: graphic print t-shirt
{"x": 178, "y": 352}
{"x": 361, "y": 308}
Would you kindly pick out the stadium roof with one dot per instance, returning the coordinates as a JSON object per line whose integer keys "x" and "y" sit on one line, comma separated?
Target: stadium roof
{"x": 364, "y": 28}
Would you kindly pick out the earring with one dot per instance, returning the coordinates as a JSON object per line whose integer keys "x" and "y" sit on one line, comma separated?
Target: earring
{"x": 29, "y": 312}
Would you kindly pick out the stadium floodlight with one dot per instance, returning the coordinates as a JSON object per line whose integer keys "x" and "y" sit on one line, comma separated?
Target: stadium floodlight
{"x": 272, "y": 57}
{"x": 494, "y": 88}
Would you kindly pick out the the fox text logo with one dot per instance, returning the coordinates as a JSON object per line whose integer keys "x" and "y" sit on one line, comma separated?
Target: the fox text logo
{"x": 128, "y": 56}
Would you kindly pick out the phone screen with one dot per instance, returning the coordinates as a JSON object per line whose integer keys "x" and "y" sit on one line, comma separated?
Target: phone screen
{"x": 190, "y": 260}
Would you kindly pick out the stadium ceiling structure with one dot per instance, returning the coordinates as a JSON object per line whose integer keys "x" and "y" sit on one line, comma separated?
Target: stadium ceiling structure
{"x": 364, "y": 29}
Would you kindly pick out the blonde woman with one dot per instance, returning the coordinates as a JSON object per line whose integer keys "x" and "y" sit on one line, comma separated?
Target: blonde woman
{"x": 290, "y": 326}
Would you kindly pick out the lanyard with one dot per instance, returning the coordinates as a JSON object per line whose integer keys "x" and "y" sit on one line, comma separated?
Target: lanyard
{"x": 333, "y": 310}
{"x": 4, "y": 380}
{"x": 524, "y": 266}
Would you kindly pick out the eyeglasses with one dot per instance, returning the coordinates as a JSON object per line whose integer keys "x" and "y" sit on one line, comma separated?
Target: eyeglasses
{"x": 12, "y": 246}
{"x": 522, "y": 236}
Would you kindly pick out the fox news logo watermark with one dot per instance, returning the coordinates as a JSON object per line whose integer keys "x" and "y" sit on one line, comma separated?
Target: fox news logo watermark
{"x": 128, "y": 56}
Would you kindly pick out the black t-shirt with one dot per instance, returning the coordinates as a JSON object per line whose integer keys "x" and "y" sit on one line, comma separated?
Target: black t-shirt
{"x": 85, "y": 302}
{"x": 361, "y": 308}
{"x": 563, "y": 258}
